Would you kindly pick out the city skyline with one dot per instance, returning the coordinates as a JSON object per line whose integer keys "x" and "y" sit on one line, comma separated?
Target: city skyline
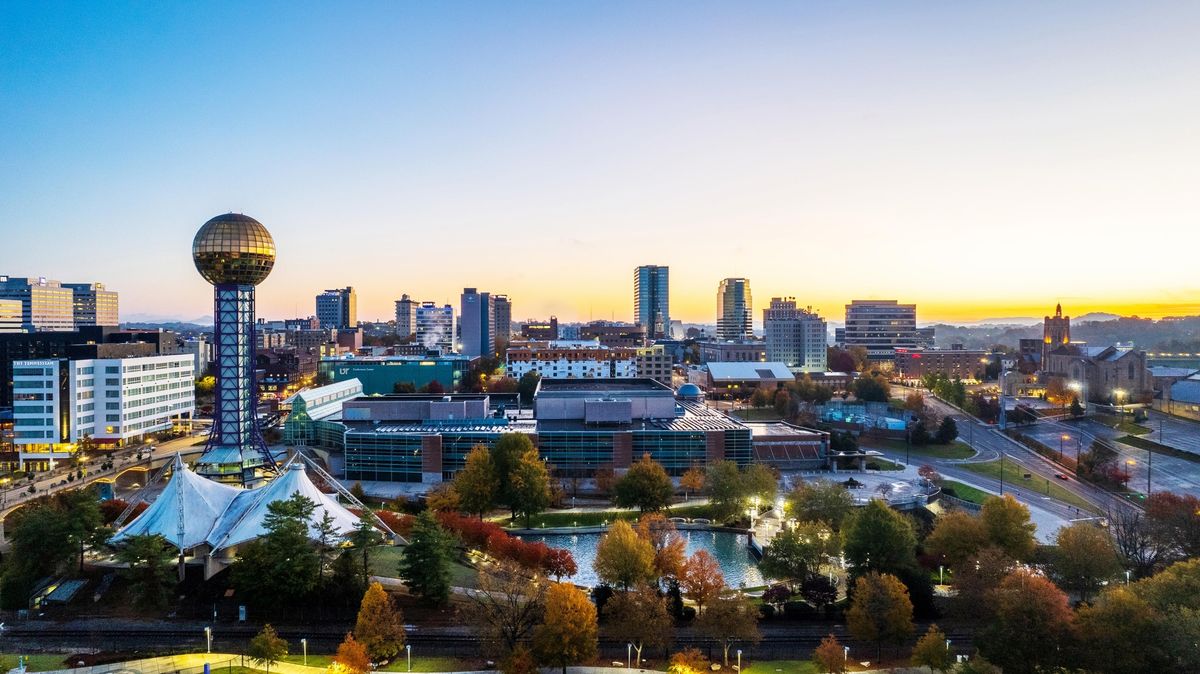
{"x": 845, "y": 155}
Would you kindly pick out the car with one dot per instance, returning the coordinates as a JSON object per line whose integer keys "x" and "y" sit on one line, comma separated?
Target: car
{"x": 1061, "y": 476}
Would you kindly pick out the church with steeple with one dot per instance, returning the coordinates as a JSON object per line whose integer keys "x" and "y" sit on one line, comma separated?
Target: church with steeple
{"x": 1056, "y": 332}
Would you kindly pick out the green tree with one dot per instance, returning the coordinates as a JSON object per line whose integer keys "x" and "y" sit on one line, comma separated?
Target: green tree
{"x": 1084, "y": 557}
{"x": 364, "y": 537}
{"x": 1122, "y": 634}
{"x": 796, "y": 553}
{"x": 957, "y": 536}
{"x": 645, "y": 486}
{"x": 726, "y": 490}
{"x": 871, "y": 388}
{"x": 760, "y": 398}
{"x": 425, "y": 563}
{"x": 149, "y": 571}
{"x": 639, "y": 617}
{"x": 506, "y": 454}
{"x": 530, "y": 485}
{"x": 759, "y": 482}
{"x": 623, "y": 558}
{"x": 1008, "y": 526}
{"x": 267, "y": 648}
{"x": 946, "y": 432}
{"x": 569, "y": 633}
{"x": 931, "y": 651}
{"x": 282, "y": 567}
{"x": 880, "y": 611}
{"x": 380, "y": 626}
{"x": 477, "y": 483}
{"x": 877, "y": 538}
{"x": 527, "y": 386}
{"x": 820, "y": 501}
{"x": 729, "y": 620}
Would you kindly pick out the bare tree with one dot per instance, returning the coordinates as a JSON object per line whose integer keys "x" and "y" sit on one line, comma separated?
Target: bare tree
{"x": 1136, "y": 542}
{"x": 507, "y": 605}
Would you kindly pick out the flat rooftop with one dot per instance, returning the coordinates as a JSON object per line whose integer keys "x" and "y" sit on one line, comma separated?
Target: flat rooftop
{"x": 696, "y": 418}
{"x": 631, "y": 384}
{"x": 780, "y": 429}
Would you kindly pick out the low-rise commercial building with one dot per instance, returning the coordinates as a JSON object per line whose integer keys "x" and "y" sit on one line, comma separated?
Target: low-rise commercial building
{"x": 571, "y": 360}
{"x": 746, "y": 351}
{"x": 954, "y": 363}
{"x": 380, "y": 374}
{"x": 654, "y": 362}
{"x": 739, "y": 380}
{"x": 614, "y": 334}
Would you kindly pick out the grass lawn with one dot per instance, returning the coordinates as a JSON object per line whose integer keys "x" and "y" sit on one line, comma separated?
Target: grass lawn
{"x": 955, "y": 450}
{"x": 966, "y": 492}
{"x": 399, "y": 664}
{"x": 39, "y": 662}
{"x": 1158, "y": 448}
{"x": 1132, "y": 428}
{"x": 758, "y": 414}
{"x": 781, "y": 666}
{"x": 883, "y": 464}
{"x": 589, "y": 519}
{"x": 385, "y": 559}
{"x": 1014, "y": 475}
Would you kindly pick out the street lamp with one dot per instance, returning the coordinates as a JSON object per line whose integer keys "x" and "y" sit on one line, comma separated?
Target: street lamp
{"x": 739, "y": 659}
{"x": 304, "y": 645}
{"x": 1061, "y": 439}
{"x": 845, "y": 656}
{"x": 1120, "y": 394}
{"x": 208, "y": 640}
{"x": 1126, "y": 576}
{"x": 408, "y": 653}
{"x": 628, "y": 656}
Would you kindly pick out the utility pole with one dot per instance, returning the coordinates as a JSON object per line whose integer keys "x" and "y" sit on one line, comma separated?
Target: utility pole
{"x": 1002, "y": 472}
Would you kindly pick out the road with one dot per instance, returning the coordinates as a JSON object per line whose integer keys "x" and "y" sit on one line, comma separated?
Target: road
{"x": 989, "y": 442}
{"x": 52, "y": 481}
{"x": 1178, "y": 433}
{"x": 1165, "y": 473}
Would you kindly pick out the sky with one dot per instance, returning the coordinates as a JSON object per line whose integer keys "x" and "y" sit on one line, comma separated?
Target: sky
{"x": 981, "y": 159}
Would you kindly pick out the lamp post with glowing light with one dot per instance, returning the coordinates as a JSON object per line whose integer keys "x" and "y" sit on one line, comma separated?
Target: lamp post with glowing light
{"x": 208, "y": 640}
{"x": 304, "y": 645}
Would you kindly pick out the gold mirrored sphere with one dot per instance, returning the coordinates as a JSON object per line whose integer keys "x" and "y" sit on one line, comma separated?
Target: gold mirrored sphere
{"x": 233, "y": 249}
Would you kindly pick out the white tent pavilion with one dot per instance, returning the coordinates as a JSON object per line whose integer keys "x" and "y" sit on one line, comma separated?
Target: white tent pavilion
{"x": 207, "y": 518}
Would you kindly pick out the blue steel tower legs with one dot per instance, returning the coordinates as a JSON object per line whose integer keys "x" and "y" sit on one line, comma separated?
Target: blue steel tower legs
{"x": 236, "y": 451}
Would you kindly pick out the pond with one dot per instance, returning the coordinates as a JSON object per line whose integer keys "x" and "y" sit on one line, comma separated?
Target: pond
{"x": 729, "y": 549}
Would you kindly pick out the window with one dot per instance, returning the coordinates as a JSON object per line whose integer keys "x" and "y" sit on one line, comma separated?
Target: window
{"x": 112, "y": 382}
{"x": 112, "y": 369}
{"x": 112, "y": 417}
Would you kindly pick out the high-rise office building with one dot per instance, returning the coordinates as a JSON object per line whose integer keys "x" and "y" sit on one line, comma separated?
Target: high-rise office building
{"x": 881, "y": 327}
{"x": 338, "y": 308}
{"x": 46, "y": 306}
{"x": 651, "y": 300}
{"x": 735, "y": 310}
{"x": 795, "y": 337}
{"x": 435, "y": 326}
{"x": 406, "y": 316}
{"x": 92, "y": 304}
{"x": 503, "y": 314}
{"x": 234, "y": 253}
{"x": 10, "y": 316}
{"x": 476, "y": 321}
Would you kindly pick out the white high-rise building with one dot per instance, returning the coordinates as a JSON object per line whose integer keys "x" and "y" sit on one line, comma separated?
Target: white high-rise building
{"x": 435, "y": 326}
{"x": 795, "y": 337}
{"x": 59, "y": 402}
{"x": 735, "y": 310}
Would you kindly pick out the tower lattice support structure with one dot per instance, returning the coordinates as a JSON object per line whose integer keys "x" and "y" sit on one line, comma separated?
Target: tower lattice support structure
{"x": 236, "y": 451}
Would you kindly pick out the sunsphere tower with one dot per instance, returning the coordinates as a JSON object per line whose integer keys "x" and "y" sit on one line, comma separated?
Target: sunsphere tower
{"x": 234, "y": 253}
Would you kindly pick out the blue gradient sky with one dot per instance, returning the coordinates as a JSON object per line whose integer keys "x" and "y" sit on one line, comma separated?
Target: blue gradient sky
{"x": 981, "y": 159}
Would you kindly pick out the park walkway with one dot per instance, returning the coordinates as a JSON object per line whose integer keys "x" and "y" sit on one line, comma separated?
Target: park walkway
{"x": 194, "y": 662}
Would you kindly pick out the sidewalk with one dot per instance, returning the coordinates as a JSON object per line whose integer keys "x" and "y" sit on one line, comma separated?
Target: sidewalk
{"x": 196, "y": 661}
